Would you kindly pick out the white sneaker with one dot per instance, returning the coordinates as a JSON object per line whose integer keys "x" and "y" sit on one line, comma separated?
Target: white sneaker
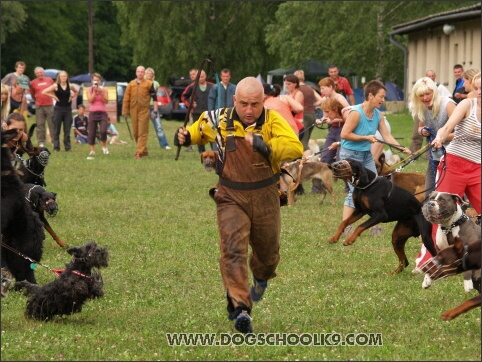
{"x": 92, "y": 153}
{"x": 167, "y": 147}
{"x": 105, "y": 150}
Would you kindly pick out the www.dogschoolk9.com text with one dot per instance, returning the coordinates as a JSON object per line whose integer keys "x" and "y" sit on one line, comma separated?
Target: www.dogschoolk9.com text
{"x": 274, "y": 339}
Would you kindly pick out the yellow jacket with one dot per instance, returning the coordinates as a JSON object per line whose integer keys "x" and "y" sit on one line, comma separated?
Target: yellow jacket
{"x": 275, "y": 130}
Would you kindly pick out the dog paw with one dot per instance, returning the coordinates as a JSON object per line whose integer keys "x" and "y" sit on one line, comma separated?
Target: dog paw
{"x": 333, "y": 240}
{"x": 427, "y": 281}
{"x": 468, "y": 285}
{"x": 446, "y": 316}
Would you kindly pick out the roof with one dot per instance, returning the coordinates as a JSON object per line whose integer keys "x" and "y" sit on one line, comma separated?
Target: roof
{"x": 455, "y": 16}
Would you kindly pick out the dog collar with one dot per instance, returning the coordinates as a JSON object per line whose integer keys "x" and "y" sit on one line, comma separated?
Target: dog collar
{"x": 459, "y": 222}
{"x": 76, "y": 272}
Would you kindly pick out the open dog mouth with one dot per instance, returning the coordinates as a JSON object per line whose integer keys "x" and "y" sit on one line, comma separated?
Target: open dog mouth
{"x": 209, "y": 165}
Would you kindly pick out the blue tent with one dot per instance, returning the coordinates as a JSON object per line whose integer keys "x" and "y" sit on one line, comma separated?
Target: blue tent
{"x": 394, "y": 93}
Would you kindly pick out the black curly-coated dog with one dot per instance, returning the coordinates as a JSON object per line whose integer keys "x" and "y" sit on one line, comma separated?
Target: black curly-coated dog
{"x": 22, "y": 229}
{"x": 67, "y": 294}
{"x": 44, "y": 202}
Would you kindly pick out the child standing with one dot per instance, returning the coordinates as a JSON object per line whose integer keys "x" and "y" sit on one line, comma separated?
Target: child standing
{"x": 80, "y": 125}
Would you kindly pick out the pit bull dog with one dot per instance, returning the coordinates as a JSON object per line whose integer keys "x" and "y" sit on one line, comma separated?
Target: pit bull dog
{"x": 445, "y": 209}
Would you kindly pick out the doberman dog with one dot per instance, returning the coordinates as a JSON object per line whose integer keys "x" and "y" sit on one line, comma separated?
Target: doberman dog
{"x": 383, "y": 202}
{"x": 453, "y": 260}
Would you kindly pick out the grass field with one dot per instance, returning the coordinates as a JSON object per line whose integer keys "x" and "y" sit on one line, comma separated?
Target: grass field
{"x": 157, "y": 220}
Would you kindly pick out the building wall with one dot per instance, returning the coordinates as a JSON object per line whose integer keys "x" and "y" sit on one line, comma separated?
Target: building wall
{"x": 432, "y": 49}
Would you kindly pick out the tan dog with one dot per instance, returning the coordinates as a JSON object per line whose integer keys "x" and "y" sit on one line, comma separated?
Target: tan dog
{"x": 297, "y": 172}
{"x": 209, "y": 159}
{"x": 413, "y": 182}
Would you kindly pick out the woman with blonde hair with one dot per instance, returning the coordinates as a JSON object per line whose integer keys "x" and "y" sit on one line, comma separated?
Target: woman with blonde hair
{"x": 468, "y": 76}
{"x": 431, "y": 111}
{"x": 5, "y": 103}
{"x": 156, "y": 116}
{"x": 63, "y": 94}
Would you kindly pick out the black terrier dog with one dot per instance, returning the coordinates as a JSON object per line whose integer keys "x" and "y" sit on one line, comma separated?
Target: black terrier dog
{"x": 43, "y": 202}
{"x": 67, "y": 294}
{"x": 22, "y": 231}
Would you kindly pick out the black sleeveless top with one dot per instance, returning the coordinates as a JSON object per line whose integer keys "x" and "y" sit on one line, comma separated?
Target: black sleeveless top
{"x": 63, "y": 96}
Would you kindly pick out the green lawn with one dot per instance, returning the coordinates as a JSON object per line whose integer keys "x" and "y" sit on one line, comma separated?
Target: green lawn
{"x": 157, "y": 220}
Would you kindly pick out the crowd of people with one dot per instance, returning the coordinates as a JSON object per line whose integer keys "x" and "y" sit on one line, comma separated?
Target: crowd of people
{"x": 255, "y": 127}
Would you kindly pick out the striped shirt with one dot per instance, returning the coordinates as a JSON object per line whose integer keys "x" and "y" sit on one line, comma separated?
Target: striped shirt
{"x": 466, "y": 141}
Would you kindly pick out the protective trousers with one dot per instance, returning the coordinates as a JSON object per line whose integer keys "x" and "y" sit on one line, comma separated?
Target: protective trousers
{"x": 140, "y": 126}
{"x": 247, "y": 218}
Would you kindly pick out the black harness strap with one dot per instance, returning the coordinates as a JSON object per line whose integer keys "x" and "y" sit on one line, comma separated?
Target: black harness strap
{"x": 459, "y": 222}
{"x": 249, "y": 185}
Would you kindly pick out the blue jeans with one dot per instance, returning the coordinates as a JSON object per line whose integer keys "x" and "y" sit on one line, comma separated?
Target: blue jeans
{"x": 161, "y": 136}
{"x": 366, "y": 159}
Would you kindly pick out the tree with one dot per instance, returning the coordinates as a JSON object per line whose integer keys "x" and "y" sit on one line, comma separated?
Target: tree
{"x": 181, "y": 34}
{"x": 13, "y": 18}
{"x": 353, "y": 35}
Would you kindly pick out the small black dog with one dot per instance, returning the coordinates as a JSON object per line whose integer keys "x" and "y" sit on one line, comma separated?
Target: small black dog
{"x": 67, "y": 294}
{"x": 383, "y": 202}
{"x": 43, "y": 201}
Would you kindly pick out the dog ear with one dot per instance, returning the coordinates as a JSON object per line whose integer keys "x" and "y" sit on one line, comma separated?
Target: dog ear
{"x": 381, "y": 159}
{"x": 74, "y": 251}
{"x": 459, "y": 200}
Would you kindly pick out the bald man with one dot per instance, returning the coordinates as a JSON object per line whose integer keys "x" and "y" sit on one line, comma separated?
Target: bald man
{"x": 252, "y": 142}
{"x": 136, "y": 103}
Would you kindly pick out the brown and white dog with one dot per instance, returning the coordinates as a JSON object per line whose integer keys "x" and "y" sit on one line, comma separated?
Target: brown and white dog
{"x": 296, "y": 172}
{"x": 455, "y": 259}
{"x": 445, "y": 209}
{"x": 209, "y": 159}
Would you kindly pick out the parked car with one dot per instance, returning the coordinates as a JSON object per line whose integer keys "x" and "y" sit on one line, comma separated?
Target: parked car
{"x": 30, "y": 105}
{"x": 121, "y": 88}
{"x": 164, "y": 102}
{"x": 178, "y": 84}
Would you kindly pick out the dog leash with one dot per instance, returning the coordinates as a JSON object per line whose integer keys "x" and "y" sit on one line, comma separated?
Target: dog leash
{"x": 406, "y": 161}
{"x": 128, "y": 127}
{"x": 33, "y": 262}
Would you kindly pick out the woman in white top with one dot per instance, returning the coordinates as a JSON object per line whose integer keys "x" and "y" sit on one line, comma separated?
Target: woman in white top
{"x": 459, "y": 170}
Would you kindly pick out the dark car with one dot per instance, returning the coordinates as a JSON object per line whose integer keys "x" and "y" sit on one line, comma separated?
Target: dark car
{"x": 178, "y": 84}
{"x": 30, "y": 105}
